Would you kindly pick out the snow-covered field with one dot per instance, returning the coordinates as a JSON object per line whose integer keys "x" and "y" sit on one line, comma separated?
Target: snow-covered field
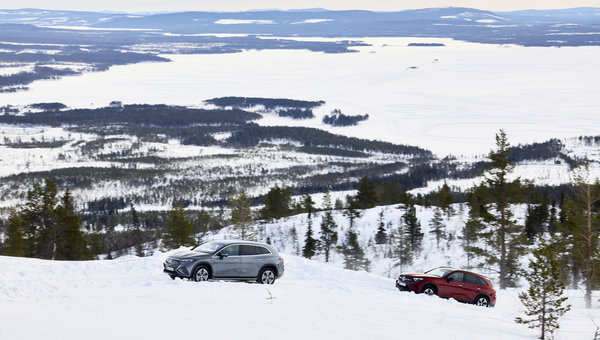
{"x": 450, "y": 99}
{"x": 130, "y": 298}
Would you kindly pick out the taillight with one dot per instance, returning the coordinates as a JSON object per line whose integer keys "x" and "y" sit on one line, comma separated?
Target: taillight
{"x": 281, "y": 259}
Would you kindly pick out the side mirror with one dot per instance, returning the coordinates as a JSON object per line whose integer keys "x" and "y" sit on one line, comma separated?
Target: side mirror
{"x": 221, "y": 256}
{"x": 448, "y": 279}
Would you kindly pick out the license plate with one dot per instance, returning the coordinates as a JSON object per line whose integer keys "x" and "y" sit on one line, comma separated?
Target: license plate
{"x": 402, "y": 283}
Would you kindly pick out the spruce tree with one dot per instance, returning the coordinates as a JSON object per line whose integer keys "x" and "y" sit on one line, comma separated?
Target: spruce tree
{"x": 14, "y": 235}
{"x": 544, "y": 300}
{"x": 354, "y": 255}
{"x": 402, "y": 250}
{"x": 71, "y": 242}
{"x": 413, "y": 227}
{"x": 365, "y": 197}
{"x": 329, "y": 234}
{"x": 327, "y": 203}
{"x": 308, "y": 205}
{"x": 137, "y": 232}
{"x": 310, "y": 243}
{"x": 178, "y": 229}
{"x": 581, "y": 228}
{"x": 445, "y": 199}
{"x": 381, "y": 235}
{"x": 437, "y": 226}
{"x": 241, "y": 216}
{"x": 351, "y": 211}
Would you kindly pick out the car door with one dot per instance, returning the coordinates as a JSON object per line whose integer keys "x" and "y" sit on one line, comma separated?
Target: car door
{"x": 252, "y": 259}
{"x": 471, "y": 286}
{"x": 452, "y": 286}
{"x": 226, "y": 263}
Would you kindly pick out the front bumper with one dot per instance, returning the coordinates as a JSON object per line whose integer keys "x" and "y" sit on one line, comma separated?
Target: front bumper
{"x": 407, "y": 286}
{"x": 175, "y": 269}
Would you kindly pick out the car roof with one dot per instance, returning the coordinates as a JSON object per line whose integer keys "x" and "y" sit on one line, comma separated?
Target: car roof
{"x": 240, "y": 242}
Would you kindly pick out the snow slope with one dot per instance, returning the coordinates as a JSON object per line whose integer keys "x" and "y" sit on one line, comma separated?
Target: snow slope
{"x": 130, "y": 298}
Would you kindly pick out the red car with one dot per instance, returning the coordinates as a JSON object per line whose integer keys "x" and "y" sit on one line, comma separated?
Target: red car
{"x": 453, "y": 283}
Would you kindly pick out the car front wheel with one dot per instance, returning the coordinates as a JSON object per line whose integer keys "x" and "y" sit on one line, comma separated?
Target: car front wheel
{"x": 266, "y": 276}
{"x": 482, "y": 301}
{"x": 201, "y": 274}
{"x": 429, "y": 290}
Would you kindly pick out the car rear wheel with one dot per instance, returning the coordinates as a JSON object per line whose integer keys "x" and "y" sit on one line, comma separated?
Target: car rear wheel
{"x": 201, "y": 274}
{"x": 482, "y": 301}
{"x": 266, "y": 276}
{"x": 429, "y": 290}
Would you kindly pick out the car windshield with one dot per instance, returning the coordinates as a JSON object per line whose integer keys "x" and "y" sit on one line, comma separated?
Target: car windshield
{"x": 209, "y": 247}
{"x": 439, "y": 272}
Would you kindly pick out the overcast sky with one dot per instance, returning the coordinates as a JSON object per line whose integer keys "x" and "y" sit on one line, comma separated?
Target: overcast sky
{"x": 237, "y": 5}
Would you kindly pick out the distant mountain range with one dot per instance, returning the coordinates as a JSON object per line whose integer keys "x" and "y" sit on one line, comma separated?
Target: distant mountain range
{"x": 566, "y": 27}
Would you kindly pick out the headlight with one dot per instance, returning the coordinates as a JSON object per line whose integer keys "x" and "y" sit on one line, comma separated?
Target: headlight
{"x": 417, "y": 279}
{"x": 186, "y": 260}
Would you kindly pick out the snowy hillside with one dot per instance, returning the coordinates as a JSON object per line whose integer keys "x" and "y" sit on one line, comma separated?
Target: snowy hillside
{"x": 130, "y": 298}
{"x": 448, "y": 253}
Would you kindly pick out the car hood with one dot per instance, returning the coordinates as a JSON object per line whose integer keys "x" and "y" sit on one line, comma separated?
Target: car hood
{"x": 419, "y": 275}
{"x": 188, "y": 254}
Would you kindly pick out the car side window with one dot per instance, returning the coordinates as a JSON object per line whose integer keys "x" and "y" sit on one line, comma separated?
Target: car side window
{"x": 481, "y": 281}
{"x": 456, "y": 276}
{"x": 246, "y": 250}
{"x": 231, "y": 251}
{"x": 263, "y": 250}
{"x": 470, "y": 278}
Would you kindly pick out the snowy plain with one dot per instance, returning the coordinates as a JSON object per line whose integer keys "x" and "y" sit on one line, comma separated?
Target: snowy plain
{"x": 451, "y": 99}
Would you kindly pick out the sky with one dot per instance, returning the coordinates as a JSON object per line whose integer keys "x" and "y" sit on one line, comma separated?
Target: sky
{"x": 238, "y": 5}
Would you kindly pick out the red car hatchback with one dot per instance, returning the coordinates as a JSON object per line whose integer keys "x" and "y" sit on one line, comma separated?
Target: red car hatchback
{"x": 453, "y": 283}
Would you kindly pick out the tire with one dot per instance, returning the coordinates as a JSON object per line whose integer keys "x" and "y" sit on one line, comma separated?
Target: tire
{"x": 429, "y": 290}
{"x": 266, "y": 276}
{"x": 172, "y": 277}
{"x": 201, "y": 274}
{"x": 482, "y": 301}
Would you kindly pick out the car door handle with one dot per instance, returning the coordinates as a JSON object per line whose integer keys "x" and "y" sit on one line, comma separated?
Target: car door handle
{"x": 460, "y": 285}
{"x": 478, "y": 288}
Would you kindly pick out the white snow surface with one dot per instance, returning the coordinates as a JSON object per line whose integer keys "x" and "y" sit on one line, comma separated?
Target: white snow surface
{"x": 130, "y": 298}
{"x": 453, "y": 102}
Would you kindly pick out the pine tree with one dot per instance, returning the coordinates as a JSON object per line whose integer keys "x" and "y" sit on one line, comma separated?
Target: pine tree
{"x": 137, "y": 232}
{"x": 329, "y": 234}
{"x": 179, "y": 229}
{"x": 308, "y": 205}
{"x": 310, "y": 244}
{"x": 381, "y": 235}
{"x": 581, "y": 228}
{"x": 241, "y": 216}
{"x": 365, "y": 197}
{"x": 413, "y": 227}
{"x": 437, "y": 226}
{"x": 354, "y": 255}
{"x": 544, "y": 300}
{"x": 14, "y": 235}
{"x": 504, "y": 241}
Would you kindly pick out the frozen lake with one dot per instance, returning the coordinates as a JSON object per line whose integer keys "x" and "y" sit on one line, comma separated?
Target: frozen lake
{"x": 448, "y": 99}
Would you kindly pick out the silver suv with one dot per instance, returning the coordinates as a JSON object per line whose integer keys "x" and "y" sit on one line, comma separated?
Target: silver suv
{"x": 237, "y": 260}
